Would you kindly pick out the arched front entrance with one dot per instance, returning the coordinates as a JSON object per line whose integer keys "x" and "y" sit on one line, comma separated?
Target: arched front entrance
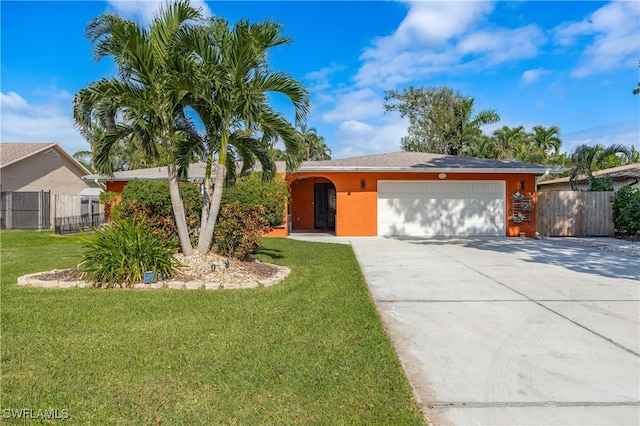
{"x": 313, "y": 204}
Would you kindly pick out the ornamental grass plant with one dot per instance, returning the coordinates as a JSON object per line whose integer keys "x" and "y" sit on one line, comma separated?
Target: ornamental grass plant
{"x": 119, "y": 255}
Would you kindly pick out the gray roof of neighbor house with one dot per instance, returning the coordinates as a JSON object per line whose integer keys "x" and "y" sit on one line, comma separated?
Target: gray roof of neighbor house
{"x": 13, "y": 152}
{"x": 424, "y": 162}
{"x": 630, "y": 171}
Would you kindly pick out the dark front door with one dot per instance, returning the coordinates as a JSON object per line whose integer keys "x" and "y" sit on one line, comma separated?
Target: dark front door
{"x": 324, "y": 200}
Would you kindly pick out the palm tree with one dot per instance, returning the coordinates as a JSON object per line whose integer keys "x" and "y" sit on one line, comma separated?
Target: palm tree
{"x": 509, "y": 142}
{"x": 468, "y": 126}
{"x": 314, "y": 147}
{"x": 144, "y": 105}
{"x": 482, "y": 147}
{"x": 587, "y": 159}
{"x": 234, "y": 80}
{"x": 547, "y": 139}
{"x": 84, "y": 158}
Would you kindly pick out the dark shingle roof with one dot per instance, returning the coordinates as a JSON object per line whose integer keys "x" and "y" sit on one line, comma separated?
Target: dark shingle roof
{"x": 421, "y": 161}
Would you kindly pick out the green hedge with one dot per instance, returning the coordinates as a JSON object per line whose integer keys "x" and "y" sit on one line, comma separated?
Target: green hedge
{"x": 252, "y": 191}
{"x": 150, "y": 202}
{"x": 626, "y": 210}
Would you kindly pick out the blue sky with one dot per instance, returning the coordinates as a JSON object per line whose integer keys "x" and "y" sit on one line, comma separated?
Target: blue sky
{"x": 570, "y": 64}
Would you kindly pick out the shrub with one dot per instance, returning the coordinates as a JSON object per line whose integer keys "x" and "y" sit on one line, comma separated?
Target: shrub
{"x": 604, "y": 183}
{"x": 253, "y": 191}
{"x": 119, "y": 254}
{"x": 111, "y": 201}
{"x": 626, "y": 210}
{"x": 239, "y": 230}
{"x": 150, "y": 202}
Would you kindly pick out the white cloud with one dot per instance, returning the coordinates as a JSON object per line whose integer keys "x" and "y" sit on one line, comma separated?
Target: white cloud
{"x": 438, "y": 37}
{"x": 355, "y": 105}
{"x": 145, "y": 10}
{"x": 420, "y": 44}
{"x": 502, "y": 45}
{"x": 613, "y": 32}
{"x": 429, "y": 23}
{"x": 12, "y": 101}
{"x": 531, "y": 76}
{"x": 49, "y": 121}
{"x": 354, "y": 138}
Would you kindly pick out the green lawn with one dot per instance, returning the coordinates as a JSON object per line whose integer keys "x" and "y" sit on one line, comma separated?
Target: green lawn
{"x": 311, "y": 350}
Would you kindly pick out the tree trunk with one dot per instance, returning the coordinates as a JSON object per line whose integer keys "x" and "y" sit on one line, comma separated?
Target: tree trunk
{"x": 206, "y": 204}
{"x": 204, "y": 243}
{"x": 178, "y": 212}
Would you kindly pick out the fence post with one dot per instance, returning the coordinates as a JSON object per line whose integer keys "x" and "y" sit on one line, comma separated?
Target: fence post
{"x": 40, "y": 197}
{"x": 9, "y": 223}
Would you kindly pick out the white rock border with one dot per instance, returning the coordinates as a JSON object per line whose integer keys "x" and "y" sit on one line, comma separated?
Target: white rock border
{"x": 32, "y": 281}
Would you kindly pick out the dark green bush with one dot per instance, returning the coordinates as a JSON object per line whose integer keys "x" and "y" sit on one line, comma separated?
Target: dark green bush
{"x": 604, "y": 183}
{"x": 626, "y": 210}
{"x": 239, "y": 230}
{"x": 119, "y": 254}
{"x": 149, "y": 201}
{"x": 253, "y": 191}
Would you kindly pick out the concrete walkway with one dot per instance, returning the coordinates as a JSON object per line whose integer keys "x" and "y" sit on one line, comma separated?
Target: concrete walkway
{"x": 510, "y": 331}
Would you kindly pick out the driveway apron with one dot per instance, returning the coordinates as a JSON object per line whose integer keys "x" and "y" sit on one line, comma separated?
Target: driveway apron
{"x": 510, "y": 331}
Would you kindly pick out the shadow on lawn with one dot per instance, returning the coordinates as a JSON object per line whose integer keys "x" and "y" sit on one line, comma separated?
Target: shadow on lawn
{"x": 575, "y": 256}
{"x": 271, "y": 253}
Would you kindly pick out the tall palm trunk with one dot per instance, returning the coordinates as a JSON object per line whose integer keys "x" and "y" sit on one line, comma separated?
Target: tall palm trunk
{"x": 204, "y": 242}
{"x": 206, "y": 234}
{"x": 206, "y": 204}
{"x": 178, "y": 212}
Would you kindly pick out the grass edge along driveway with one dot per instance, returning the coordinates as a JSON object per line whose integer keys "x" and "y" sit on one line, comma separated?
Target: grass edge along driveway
{"x": 311, "y": 350}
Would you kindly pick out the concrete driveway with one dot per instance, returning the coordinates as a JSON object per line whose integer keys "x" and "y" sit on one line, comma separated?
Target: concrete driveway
{"x": 511, "y": 331}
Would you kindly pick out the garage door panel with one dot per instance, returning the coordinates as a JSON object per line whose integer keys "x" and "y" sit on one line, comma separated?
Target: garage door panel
{"x": 454, "y": 208}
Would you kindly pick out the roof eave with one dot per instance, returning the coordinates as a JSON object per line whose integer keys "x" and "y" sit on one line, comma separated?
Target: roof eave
{"x": 536, "y": 171}
{"x": 93, "y": 178}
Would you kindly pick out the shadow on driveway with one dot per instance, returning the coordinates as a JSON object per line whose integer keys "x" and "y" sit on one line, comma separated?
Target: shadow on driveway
{"x": 571, "y": 255}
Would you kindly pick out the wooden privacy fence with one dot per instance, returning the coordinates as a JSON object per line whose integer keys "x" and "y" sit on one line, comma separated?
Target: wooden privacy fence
{"x": 575, "y": 213}
{"x": 74, "y": 213}
{"x": 76, "y": 205}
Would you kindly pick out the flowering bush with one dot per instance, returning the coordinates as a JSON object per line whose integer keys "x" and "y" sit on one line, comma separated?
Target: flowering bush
{"x": 239, "y": 230}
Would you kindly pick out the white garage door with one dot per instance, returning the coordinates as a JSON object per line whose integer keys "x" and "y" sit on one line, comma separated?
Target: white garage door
{"x": 435, "y": 208}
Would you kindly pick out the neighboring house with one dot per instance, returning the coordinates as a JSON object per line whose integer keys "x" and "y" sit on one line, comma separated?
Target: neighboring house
{"x": 34, "y": 167}
{"x": 628, "y": 175}
{"x": 406, "y": 193}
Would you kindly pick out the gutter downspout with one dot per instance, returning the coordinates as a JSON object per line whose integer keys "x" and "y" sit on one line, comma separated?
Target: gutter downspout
{"x": 539, "y": 178}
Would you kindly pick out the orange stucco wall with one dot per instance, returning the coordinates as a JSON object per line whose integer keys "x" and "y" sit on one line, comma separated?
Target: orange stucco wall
{"x": 356, "y": 207}
{"x": 116, "y": 186}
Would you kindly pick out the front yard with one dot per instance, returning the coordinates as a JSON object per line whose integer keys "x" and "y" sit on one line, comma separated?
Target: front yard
{"x": 310, "y": 350}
